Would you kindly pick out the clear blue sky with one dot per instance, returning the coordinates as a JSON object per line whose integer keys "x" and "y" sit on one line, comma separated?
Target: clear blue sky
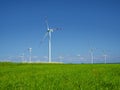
{"x": 85, "y": 24}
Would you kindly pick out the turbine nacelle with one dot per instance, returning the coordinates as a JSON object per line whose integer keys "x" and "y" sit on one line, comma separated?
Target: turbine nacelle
{"x": 53, "y": 29}
{"x": 50, "y": 30}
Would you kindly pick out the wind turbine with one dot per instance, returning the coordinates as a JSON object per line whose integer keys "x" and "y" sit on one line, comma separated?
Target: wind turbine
{"x": 60, "y": 58}
{"x": 105, "y": 57}
{"x": 30, "y": 53}
{"x": 48, "y": 33}
{"x": 92, "y": 57}
{"x": 23, "y": 57}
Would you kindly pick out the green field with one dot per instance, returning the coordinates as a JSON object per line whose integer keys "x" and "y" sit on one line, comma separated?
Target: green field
{"x": 18, "y": 76}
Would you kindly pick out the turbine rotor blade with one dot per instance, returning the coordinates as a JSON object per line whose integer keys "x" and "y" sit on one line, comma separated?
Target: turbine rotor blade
{"x": 46, "y": 23}
{"x": 54, "y": 29}
{"x": 44, "y": 37}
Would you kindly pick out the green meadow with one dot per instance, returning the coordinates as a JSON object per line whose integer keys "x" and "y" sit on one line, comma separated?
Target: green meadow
{"x": 36, "y": 76}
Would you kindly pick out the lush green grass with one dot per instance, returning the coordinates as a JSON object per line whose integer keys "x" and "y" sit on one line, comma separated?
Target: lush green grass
{"x": 59, "y": 76}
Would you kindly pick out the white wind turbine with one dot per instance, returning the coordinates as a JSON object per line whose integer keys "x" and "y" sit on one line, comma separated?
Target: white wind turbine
{"x": 23, "y": 57}
{"x": 48, "y": 33}
{"x": 92, "y": 55}
{"x": 61, "y": 58}
{"x": 30, "y": 53}
{"x": 105, "y": 57}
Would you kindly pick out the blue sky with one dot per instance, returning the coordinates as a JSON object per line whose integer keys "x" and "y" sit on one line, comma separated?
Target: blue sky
{"x": 85, "y": 24}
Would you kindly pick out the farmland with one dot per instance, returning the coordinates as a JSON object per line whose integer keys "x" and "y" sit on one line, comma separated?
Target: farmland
{"x": 21, "y": 76}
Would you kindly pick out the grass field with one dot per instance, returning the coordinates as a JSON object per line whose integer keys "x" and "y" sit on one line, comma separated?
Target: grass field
{"x": 59, "y": 76}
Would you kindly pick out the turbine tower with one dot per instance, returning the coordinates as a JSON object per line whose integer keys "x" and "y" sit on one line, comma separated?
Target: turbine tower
{"x": 49, "y": 44}
{"x": 48, "y": 33}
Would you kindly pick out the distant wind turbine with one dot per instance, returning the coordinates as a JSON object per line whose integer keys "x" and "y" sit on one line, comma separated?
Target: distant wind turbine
{"x": 60, "y": 58}
{"x": 23, "y": 57}
{"x": 105, "y": 57}
{"x": 92, "y": 55}
{"x": 48, "y": 33}
{"x": 30, "y": 53}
